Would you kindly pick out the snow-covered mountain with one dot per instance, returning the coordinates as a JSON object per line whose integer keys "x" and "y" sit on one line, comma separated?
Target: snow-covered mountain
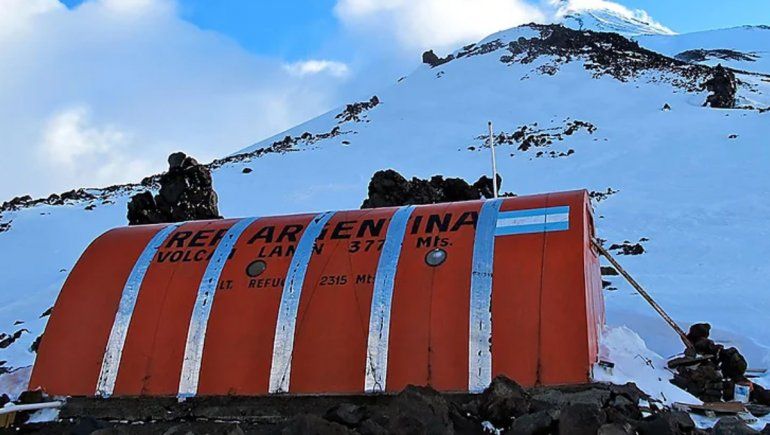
{"x": 572, "y": 109}
{"x": 611, "y": 20}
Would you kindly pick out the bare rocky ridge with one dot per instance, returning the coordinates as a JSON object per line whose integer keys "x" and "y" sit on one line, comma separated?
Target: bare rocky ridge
{"x": 701, "y": 55}
{"x": 613, "y": 55}
{"x": 354, "y": 112}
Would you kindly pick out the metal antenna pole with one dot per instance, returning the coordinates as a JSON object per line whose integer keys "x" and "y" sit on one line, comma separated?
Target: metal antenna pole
{"x": 494, "y": 160}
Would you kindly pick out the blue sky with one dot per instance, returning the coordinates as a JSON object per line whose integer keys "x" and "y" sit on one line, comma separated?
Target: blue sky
{"x": 296, "y": 29}
{"x": 693, "y": 15}
{"x": 99, "y": 92}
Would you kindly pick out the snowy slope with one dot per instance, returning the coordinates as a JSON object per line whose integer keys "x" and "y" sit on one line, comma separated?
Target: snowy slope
{"x": 692, "y": 180}
{"x": 607, "y": 20}
{"x": 745, "y": 47}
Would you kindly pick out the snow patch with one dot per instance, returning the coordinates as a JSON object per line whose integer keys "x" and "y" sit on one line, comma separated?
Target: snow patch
{"x": 634, "y": 362}
{"x": 15, "y": 382}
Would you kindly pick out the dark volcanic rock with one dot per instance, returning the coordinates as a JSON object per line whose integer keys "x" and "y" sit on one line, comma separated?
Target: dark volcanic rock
{"x": 698, "y": 331}
{"x": 354, "y": 111}
{"x": 667, "y": 423}
{"x": 485, "y": 186}
{"x": 538, "y": 423}
{"x": 313, "y": 425}
{"x": 8, "y": 339}
{"x": 186, "y": 194}
{"x": 388, "y": 188}
{"x": 703, "y": 381}
{"x": 503, "y": 400}
{"x": 700, "y": 55}
{"x": 420, "y": 410}
{"x": 430, "y": 58}
{"x": 705, "y": 346}
{"x": 592, "y": 408}
{"x": 732, "y": 425}
{"x": 581, "y": 419}
{"x": 732, "y": 363}
{"x": 760, "y": 395}
{"x": 31, "y": 396}
{"x": 603, "y": 54}
{"x": 347, "y": 414}
{"x": 533, "y": 137}
{"x": 616, "y": 429}
{"x": 142, "y": 209}
{"x": 627, "y": 248}
{"x": 723, "y": 87}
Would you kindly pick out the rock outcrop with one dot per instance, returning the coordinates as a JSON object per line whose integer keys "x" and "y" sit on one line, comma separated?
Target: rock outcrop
{"x": 723, "y": 87}
{"x": 388, "y": 188}
{"x": 186, "y": 193}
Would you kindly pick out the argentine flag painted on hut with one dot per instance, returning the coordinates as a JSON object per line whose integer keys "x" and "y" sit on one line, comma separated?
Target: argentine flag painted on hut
{"x": 536, "y": 220}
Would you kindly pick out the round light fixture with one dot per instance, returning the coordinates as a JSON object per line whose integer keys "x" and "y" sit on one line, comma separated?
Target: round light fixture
{"x": 435, "y": 257}
{"x": 255, "y": 268}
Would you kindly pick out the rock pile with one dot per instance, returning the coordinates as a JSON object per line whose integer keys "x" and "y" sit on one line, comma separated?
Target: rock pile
{"x": 710, "y": 371}
{"x": 186, "y": 193}
{"x": 723, "y": 87}
{"x": 388, "y": 188}
{"x": 530, "y": 137}
{"x": 628, "y": 248}
{"x": 503, "y": 408}
{"x": 511, "y": 409}
{"x": 432, "y": 59}
{"x": 354, "y": 111}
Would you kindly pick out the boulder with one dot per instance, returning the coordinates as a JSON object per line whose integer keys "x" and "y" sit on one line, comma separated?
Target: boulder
{"x": 732, "y": 425}
{"x": 705, "y": 346}
{"x": 667, "y": 423}
{"x": 581, "y": 419}
{"x": 503, "y": 400}
{"x": 31, "y": 396}
{"x": 420, "y": 410}
{"x": 538, "y": 423}
{"x": 347, "y": 414}
{"x": 723, "y": 87}
{"x": 615, "y": 429}
{"x": 186, "y": 194}
{"x": 732, "y": 363}
{"x": 552, "y": 398}
{"x": 760, "y": 395}
{"x": 307, "y": 424}
{"x": 485, "y": 186}
{"x": 698, "y": 331}
{"x": 430, "y": 58}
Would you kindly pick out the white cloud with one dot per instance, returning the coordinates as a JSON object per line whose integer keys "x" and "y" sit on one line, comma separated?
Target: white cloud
{"x": 102, "y": 93}
{"x": 69, "y": 136}
{"x": 310, "y": 67}
{"x": 72, "y": 144}
{"x": 440, "y": 24}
